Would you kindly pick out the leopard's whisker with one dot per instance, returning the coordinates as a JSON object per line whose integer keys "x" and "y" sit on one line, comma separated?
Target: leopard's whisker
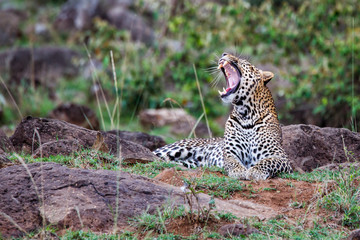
{"x": 216, "y": 80}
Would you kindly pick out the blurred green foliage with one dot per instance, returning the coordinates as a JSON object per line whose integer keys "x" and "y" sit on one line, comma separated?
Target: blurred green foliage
{"x": 315, "y": 44}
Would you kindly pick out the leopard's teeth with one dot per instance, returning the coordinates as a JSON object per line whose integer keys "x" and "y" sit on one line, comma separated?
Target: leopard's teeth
{"x": 224, "y": 90}
{"x": 225, "y": 63}
{"x": 220, "y": 66}
{"x": 220, "y": 92}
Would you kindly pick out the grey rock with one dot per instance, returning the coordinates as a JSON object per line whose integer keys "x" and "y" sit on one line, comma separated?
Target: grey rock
{"x": 26, "y": 139}
{"x": 124, "y": 19}
{"x": 10, "y": 25}
{"x": 76, "y": 15}
{"x": 43, "y": 65}
{"x": 181, "y": 122}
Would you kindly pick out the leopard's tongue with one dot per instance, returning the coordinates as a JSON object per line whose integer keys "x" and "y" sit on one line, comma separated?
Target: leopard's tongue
{"x": 232, "y": 77}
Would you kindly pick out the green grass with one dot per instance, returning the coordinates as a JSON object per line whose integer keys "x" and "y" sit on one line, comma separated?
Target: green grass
{"x": 281, "y": 229}
{"x": 217, "y": 186}
{"x": 87, "y": 235}
{"x": 157, "y": 222}
{"x": 90, "y": 159}
{"x": 321, "y": 175}
{"x": 152, "y": 226}
{"x": 150, "y": 169}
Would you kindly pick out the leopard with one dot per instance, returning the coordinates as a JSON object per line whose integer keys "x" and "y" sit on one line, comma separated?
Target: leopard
{"x": 251, "y": 148}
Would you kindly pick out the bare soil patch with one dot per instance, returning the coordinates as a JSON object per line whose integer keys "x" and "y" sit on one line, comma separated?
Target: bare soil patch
{"x": 295, "y": 201}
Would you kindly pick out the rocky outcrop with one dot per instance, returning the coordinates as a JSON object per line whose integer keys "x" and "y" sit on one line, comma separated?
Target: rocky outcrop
{"x": 76, "y": 114}
{"x": 307, "y": 146}
{"x": 31, "y": 133}
{"x": 87, "y": 199}
{"x": 310, "y": 147}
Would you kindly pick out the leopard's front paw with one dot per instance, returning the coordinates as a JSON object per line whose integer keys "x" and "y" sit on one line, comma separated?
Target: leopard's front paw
{"x": 254, "y": 174}
{"x": 241, "y": 175}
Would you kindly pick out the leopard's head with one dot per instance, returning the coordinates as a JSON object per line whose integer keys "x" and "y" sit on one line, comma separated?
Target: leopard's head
{"x": 243, "y": 80}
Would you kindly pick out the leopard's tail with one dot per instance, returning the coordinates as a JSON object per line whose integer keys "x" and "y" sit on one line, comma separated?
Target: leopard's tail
{"x": 194, "y": 152}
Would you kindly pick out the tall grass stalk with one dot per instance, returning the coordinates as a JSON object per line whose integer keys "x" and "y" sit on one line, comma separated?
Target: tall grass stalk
{"x": 353, "y": 114}
{"x": 202, "y": 101}
{"x": 79, "y": 216}
{"x": 40, "y": 197}
{"x": 118, "y": 101}
{"x": 94, "y": 82}
{"x": 42, "y": 203}
{"x": 192, "y": 132}
{"x": 195, "y": 125}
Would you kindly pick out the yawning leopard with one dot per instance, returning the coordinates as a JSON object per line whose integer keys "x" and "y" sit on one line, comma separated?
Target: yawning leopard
{"x": 251, "y": 146}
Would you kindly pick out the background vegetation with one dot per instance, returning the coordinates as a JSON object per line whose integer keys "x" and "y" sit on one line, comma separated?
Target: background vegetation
{"x": 313, "y": 47}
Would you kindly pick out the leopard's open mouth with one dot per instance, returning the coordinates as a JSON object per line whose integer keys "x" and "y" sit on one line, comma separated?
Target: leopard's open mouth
{"x": 232, "y": 75}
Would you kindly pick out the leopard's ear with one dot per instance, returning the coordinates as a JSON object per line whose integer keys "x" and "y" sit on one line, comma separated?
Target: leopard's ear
{"x": 266, "y": 76}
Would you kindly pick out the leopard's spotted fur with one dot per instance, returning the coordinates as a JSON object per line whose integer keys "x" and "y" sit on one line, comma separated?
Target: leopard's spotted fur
{"x": 251, "y": 147}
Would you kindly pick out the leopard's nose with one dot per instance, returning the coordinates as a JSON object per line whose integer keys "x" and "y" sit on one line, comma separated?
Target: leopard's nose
{"x": 224, "y": 54}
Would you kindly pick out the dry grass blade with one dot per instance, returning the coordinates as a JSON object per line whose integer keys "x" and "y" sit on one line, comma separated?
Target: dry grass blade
{"x": 94, "y": 82}
{"x": 7, "y": 217}
{"x": 11, "y": 96}
{"x": 195, "y": 125}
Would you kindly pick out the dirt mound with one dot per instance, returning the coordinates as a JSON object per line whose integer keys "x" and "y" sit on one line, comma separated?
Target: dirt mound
{"x": 310, "y": 147}
{"x": 287, "y": 198}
